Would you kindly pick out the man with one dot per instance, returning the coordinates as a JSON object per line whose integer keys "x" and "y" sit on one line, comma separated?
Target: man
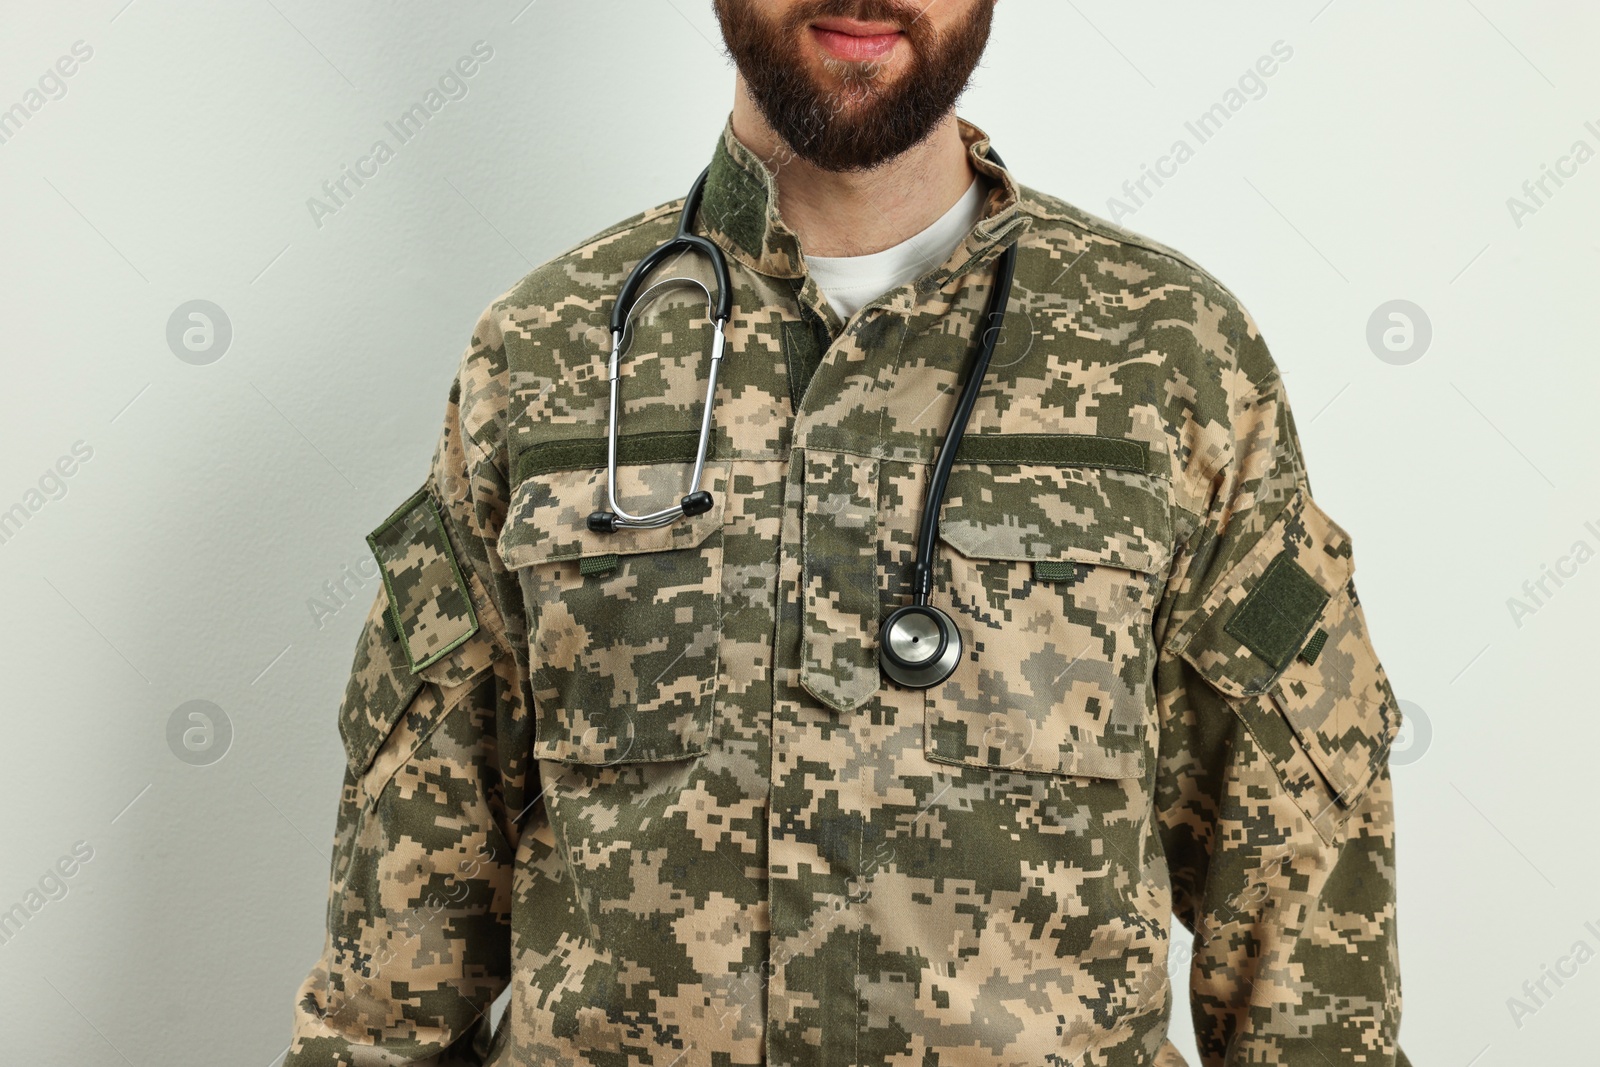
{"x": 654, "y": 779}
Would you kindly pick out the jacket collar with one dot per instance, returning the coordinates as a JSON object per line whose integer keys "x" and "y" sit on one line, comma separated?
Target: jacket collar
{"x": 739, "y": 211}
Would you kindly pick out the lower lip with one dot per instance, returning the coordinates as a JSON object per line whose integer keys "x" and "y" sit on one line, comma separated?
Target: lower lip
{"x": 856, "y": 49}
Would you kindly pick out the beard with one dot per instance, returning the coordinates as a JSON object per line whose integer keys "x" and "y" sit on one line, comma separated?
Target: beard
{"x": 859, "y": 116}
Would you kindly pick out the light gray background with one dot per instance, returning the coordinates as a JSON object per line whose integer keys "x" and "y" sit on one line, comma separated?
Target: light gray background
{"x": 179, "y": 563}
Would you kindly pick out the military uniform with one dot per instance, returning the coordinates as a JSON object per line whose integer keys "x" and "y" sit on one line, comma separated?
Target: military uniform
{"x": 655, "y": 781}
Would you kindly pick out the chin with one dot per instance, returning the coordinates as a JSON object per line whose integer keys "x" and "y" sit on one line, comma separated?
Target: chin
{"x": 850, "y": 75}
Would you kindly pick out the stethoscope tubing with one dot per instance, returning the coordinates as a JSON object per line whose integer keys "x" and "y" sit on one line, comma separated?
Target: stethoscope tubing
{"x": 685, "y": 239}
{"x": 696, "y": 501}
{"x": 993, "y": 320}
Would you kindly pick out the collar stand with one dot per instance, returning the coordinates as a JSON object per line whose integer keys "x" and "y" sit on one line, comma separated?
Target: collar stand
{"x": 740, "y": 206}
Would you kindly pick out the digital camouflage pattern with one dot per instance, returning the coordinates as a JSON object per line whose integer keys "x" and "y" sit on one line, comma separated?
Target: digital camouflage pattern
{"x": 432, "y": 611}
{"x": 660, "y": 790}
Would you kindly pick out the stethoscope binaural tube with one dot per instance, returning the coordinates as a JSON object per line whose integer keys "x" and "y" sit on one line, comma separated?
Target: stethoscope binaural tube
{"x": 919, "y": 645}
{"x": 696, "y": 501}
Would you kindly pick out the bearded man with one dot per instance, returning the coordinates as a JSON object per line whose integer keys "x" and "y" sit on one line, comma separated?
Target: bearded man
{"x": 867, "y": 678}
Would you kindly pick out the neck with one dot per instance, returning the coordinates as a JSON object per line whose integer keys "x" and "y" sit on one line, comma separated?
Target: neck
{"x": 857, "y": 213}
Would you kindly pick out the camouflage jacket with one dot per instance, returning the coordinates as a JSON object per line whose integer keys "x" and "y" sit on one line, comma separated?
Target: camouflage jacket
{"x": 654, "y": 782}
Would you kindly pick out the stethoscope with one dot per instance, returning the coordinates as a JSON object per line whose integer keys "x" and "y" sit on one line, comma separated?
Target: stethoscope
{"x": 919, "y": 645}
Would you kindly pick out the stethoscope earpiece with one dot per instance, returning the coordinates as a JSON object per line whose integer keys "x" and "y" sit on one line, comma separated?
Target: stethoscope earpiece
{"x": 919, "y": 647}
{"x": 608, "y": 522}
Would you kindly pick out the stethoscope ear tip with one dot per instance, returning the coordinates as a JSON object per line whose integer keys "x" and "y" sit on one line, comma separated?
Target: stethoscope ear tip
{"x": 697, "y": 503}
{"x": 603, "y": 522}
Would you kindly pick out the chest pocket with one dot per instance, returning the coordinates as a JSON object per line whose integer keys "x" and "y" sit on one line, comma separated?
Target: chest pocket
{"x": 624, "y": 628}
{"x": 1052, "y": 573}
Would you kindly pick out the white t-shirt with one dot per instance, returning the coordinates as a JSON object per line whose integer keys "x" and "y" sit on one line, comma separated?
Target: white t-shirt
{"x": 850, "y": 282}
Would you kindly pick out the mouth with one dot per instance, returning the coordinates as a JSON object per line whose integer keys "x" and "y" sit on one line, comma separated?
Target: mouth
{"x": 855, "y": 41}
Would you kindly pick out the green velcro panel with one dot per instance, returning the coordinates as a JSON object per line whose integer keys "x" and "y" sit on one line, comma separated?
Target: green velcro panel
{"x": 1313, "y": 647}
{"x": 678, "y": 446}
{"x": 735, "y": 201}
{"x": 802, "y": 355}
{"x": 597, "y": 564}
{"x": 1052, "y": 570}
{"x": 1275, "y": 617}
{"x": 589, "y": 453}
{"x": 1055, "y": 449}
{"x": 427, "y": 594}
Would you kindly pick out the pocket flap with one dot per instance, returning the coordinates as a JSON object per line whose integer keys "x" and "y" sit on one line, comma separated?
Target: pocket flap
{"x": 1028, "y": 511}
{"x": 1343, "y": 712}
{"x": 1286, "y": 623}
{"x": 428, "y": 596}
{"x": 548, "y": 518}
{"x": 383, "y": 688}
{"x": 420, "y": 628}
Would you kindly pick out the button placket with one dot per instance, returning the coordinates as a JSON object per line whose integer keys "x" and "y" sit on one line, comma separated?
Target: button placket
{"x": 839, "y": 579}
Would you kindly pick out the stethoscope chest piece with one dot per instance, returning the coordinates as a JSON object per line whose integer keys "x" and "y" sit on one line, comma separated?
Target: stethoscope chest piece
{"x": 919, "y": 646}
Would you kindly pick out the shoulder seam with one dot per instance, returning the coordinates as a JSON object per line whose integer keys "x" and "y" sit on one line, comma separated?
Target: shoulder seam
{"x": 631, "y": 223}
{"x": 1150, "y": 245}
{"x": 1033, "y": 203}
{"x": 501, "y": 303}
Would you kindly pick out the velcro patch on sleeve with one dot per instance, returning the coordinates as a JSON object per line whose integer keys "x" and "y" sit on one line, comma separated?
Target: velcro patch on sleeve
{"x": 427, "y": 594}
{"x": 1279, "y": 611}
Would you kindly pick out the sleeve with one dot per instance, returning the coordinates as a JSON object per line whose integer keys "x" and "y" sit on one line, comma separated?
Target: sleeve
{"x": 439, "y": 786}
{"x": 1273, "y": 792}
